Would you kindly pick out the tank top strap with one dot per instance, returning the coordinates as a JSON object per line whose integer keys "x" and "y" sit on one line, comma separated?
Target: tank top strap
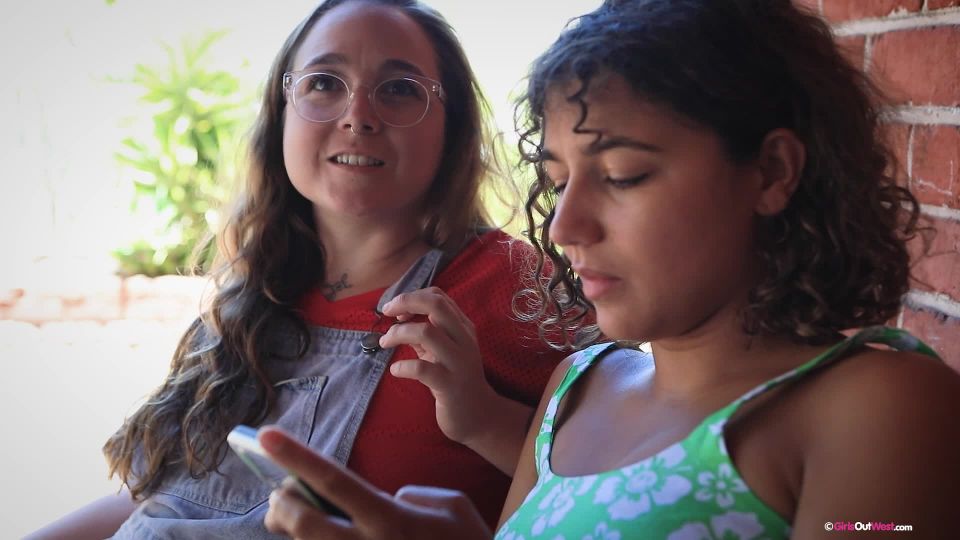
{"x": 584, "y": 360}
{"x": 894, "y": 338}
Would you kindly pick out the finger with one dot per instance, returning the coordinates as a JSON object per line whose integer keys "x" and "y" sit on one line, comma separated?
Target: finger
{"x": 290, "y": 515}
{"x": 439, "y": 308}
{"x": 411, "y": 317}
{"x": 362, "y": 502}
{"x": 437, "y": 344}
{"x": 451, "y": 306}
{"x": 445, "y": 502}
{"x": 433, "y": 376}
{"x": 430, "y": 497}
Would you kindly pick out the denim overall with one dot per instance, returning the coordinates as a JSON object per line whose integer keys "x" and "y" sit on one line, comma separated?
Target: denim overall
{"x": 321, "y": 400}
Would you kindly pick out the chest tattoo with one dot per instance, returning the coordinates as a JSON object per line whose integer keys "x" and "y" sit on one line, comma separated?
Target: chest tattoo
{"x": 330, "y": 290}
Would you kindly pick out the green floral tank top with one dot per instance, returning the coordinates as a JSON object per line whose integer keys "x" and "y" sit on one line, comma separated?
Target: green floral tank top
{"x": 690, "y": 490}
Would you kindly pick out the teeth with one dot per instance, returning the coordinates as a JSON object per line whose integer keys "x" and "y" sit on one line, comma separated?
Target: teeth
{"x": 357, "y": 160}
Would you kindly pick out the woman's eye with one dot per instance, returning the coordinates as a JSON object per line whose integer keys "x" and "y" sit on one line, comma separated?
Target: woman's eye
{"x": 400, "y": 88}
{"x": 325, "y": 83}
{"x": 553, "y": 183}
{"x": 624, "y": 183}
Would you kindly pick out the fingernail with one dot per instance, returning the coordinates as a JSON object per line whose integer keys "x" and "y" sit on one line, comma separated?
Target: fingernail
{"x": 394, "y": 369}
{"x": 271, "y": 441}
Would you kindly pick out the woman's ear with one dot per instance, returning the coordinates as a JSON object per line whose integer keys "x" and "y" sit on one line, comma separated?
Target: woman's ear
{"x": 780, "y": 164}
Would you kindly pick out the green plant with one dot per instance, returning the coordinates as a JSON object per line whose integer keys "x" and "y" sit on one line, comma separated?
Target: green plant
{"x": 185, "y": 165}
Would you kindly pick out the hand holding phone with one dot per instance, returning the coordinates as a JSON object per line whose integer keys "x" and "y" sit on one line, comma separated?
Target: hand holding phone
{"x": 243, "y": 441}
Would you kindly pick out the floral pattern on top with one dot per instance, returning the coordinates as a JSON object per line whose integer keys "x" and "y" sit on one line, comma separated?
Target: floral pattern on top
{"x": 688, "y": 491}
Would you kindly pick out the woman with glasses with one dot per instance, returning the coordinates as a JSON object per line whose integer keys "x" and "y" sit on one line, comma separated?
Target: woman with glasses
{"x": 364, "y": 186}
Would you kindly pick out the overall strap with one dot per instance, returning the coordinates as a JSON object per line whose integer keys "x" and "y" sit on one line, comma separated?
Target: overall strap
{"x": 422, "y": 273}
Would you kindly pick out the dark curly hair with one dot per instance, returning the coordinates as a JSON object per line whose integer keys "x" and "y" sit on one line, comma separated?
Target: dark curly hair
{"x": 269, "y": 255}
{"x": 836, "y": 257}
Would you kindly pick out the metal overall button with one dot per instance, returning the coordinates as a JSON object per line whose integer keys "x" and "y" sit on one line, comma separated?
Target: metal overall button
{"x": 370, "y": 342}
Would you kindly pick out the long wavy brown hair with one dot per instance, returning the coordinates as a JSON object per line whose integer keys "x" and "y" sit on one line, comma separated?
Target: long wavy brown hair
{"x": 268, "y": 256}
{"x": 836, "y": 257}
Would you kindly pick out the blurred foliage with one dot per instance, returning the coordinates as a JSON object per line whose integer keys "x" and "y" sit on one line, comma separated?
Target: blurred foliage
{"x": 185, "y": 167}
{"x": 504, "y": 191}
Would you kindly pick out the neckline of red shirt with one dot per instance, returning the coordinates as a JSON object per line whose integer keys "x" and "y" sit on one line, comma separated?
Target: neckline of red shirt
{"x": 315, "y": 306}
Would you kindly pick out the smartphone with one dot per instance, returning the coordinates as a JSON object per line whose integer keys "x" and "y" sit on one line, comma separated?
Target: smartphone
{"x": 243, "y": 441}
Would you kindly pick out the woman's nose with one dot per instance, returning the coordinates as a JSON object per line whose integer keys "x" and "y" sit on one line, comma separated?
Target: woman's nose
{"x": 575, "y": 220}
{"x": 361, "y": 116}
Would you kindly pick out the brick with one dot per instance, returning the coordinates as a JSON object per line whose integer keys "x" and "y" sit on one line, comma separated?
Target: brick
{"x": 935, "y": 177}
{"x": 897, "y": 137}
{"x": 940, "y": 332}
{"x": 162, "y": 309}
{"x": 189, "y": 287}
{"x": 936, "y": 267}
{"x": 919, "y": 67}
{"x": 85, "y": 285}
{"x": 939, "y": 4}
{"x": 853, "y": 47}
{"x": 36, "y": 308}
{"x": 10, "y": 296}
{"x": 164, "y": 287}
{"x": 96, "y": 307}
{"x": 138, "y": 286}
{"x": 810, "y": 5}
{"x": 845, "y": 10}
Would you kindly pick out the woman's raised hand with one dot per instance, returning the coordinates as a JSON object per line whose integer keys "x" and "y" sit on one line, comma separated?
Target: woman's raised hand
{"x": 448, "y": 363}
{"x": 414, "y": 512}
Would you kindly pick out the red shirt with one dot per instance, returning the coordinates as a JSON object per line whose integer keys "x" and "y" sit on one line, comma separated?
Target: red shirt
{"x": 399, "y": 441}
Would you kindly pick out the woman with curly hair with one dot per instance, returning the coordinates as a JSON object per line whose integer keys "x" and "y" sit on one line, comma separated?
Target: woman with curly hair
{"x": 711, "y": 179}
{"x": 366, "y": 165}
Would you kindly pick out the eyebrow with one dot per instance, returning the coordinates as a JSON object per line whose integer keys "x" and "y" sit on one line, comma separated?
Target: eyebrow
{"x": 392, "y": 64}
{"x": 608, "y": 143}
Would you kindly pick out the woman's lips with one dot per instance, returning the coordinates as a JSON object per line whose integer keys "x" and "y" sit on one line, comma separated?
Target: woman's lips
{"x": 356, "y": 160}
{"x": 595, "y": 284}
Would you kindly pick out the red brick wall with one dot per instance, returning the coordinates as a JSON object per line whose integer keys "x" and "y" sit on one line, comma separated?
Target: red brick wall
{"x": 912, "y": 48}
{"x": 104, "y": 299}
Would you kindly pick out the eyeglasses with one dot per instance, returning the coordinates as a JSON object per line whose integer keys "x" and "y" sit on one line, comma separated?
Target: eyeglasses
{"x": 324, "y": 97}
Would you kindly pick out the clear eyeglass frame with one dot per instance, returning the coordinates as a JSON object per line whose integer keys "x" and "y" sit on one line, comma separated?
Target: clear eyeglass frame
{"x": 292, "y": 79}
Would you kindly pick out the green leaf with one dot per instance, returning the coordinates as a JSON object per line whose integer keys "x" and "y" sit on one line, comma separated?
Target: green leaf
{"x": 183, "y": 169}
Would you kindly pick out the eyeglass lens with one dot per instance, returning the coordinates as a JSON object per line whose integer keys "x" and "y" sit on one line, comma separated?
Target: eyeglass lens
{"x": 322, "y": 97}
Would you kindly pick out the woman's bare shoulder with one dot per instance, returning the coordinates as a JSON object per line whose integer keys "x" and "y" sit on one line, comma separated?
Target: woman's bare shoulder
{"x": 863, "y": 403}
{"x": 882, "y": 440}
